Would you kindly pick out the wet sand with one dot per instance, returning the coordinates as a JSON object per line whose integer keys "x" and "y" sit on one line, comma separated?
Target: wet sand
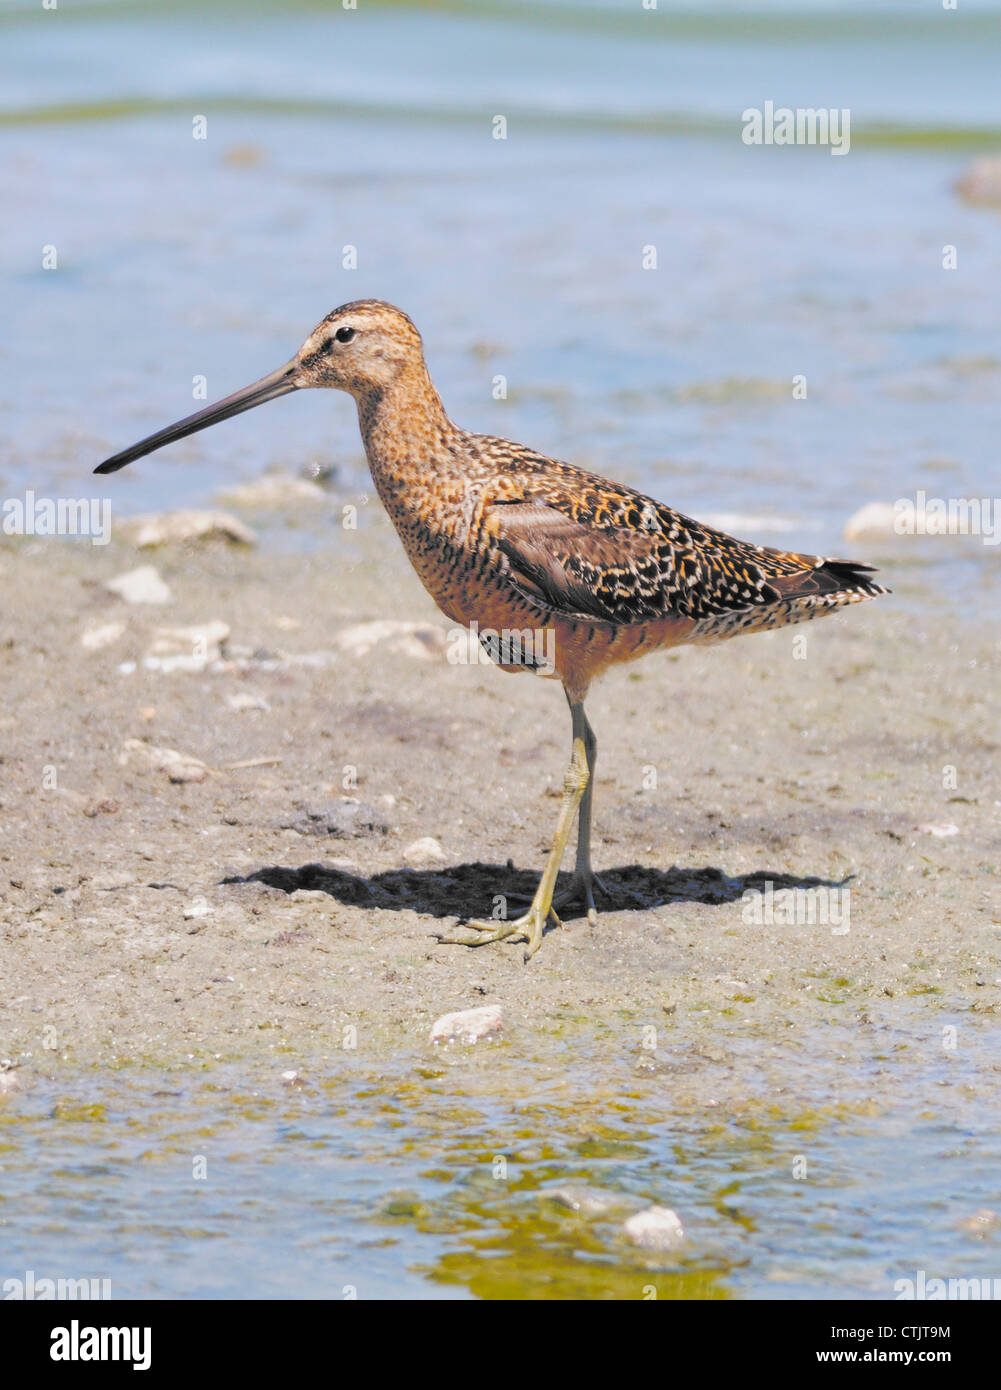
{"x": 148, "y": 920}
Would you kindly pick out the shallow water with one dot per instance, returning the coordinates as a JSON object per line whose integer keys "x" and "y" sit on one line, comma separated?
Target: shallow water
{"x": 328, "y": 128}
{"x": 381, "y": 1169}
{"x": 521, "y": 257}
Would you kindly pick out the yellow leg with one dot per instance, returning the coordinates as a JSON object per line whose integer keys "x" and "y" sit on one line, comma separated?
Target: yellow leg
{"x": 585, "y": 880}
{"x": 530, "y": 926}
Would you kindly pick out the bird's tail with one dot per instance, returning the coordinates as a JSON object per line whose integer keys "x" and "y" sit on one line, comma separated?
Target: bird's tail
{"x": 844, "y": 581}
{"x": 820, "y": 587}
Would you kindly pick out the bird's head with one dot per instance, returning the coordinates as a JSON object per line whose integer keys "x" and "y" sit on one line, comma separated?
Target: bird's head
{"x": 361, "y": 348}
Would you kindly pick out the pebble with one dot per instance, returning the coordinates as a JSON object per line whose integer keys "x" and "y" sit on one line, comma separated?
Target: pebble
{"x": 882, "y": 521}
{"x": 9, "y": 1079}
{"x": 312, "y": 897}
{"x": 403, "y": 1206}
{"x": 347, "y": 819}
{"x": 421, "y": 641}
{"x": 586, "y": 1201}
{"x": 102, "y": 635}
{"x": 245, "y": 156}
{"x": 273, "y": 490}
{"x": 982, "y": 1223}
{"x": 941, "y": 830}
{"x": 424, "y": 854}
{"x": 142, "y": 585}
{"x": 981, "y": 182}
{"x": 244, "y": 700}
{"x": 179, "y": 767}
{"x": 468, "y": 1025}
{"x": 190, "y": 524}
{"x": 874, "y": 519}
{"x": 655, "y": 1228}
{"x": 198, "y": 908}
{"x": 187, "y": 648}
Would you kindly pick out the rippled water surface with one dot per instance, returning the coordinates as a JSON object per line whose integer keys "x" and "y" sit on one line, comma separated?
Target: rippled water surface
{"x": 507, "y": 1170}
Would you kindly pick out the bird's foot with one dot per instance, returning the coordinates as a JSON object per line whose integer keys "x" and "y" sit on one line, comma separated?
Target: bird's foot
{"x": 528, "y": 928}
{"x": 581, "y": 889}
{"x": 583, "y": 886}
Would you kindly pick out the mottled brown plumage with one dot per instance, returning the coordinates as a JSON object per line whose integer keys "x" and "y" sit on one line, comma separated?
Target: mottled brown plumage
{"x": 508, "y": 540}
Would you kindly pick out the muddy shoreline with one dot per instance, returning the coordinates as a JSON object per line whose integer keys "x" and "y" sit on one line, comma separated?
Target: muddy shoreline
{"x": 149, "y": 918}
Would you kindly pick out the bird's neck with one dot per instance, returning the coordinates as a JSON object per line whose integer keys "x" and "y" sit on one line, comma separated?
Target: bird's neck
{"x": 405, "y": 430}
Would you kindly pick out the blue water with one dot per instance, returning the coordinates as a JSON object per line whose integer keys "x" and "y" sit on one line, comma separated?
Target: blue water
{"x": 523, "y": 257}
{"x": 378, "y": 1175}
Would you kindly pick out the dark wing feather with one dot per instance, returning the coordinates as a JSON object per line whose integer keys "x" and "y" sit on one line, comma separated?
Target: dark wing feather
{"x": 573, "y": 568}
{"x": 590, "y": 549}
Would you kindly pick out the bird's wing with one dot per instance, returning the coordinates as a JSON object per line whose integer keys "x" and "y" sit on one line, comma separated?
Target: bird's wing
{"x": 604, "y": 553}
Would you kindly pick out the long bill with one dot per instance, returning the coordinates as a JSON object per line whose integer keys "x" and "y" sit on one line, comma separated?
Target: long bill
{"x": 269, "y": 388}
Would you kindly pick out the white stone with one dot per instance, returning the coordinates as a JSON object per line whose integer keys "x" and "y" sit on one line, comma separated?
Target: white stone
{"x": 918, "y": 519}
{"x": 164, "y": 528}
{"x": 468, "y": 1025}
{"x": 655, "y": 1228}
{"x": 186, "y": 648}
{"x": 874, "y": 519}
{"x": 9, "y": 1081}
{"x": 312, "y": 897}
{"x": 94, "y": 638}
{"x": 424, "y": 854}
{"x": 273, "y": 490}
{"x": 941, "y": 830}
{"x": 420, "y": 641}
{"x": 141, "y": 585}
{"x": 244, "y": 700}
{"x": 179, "y": 767}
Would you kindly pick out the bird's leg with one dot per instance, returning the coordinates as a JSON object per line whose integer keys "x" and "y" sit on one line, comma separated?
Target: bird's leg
{"x": 531, "y": 925}
{"x": 585, "y": 880}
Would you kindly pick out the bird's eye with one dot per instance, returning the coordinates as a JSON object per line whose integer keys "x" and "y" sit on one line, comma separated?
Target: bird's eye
{"x": 344, "y": 335}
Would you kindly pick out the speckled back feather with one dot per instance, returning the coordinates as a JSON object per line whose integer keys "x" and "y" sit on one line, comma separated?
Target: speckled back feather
{"x": 592, "y": 549}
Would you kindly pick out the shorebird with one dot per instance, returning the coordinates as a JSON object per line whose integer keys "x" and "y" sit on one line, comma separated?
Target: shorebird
{"x": 554, "y": 559}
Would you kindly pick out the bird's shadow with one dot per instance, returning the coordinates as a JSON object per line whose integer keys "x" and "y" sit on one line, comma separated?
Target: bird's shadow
{"x": 470, "y": 890}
